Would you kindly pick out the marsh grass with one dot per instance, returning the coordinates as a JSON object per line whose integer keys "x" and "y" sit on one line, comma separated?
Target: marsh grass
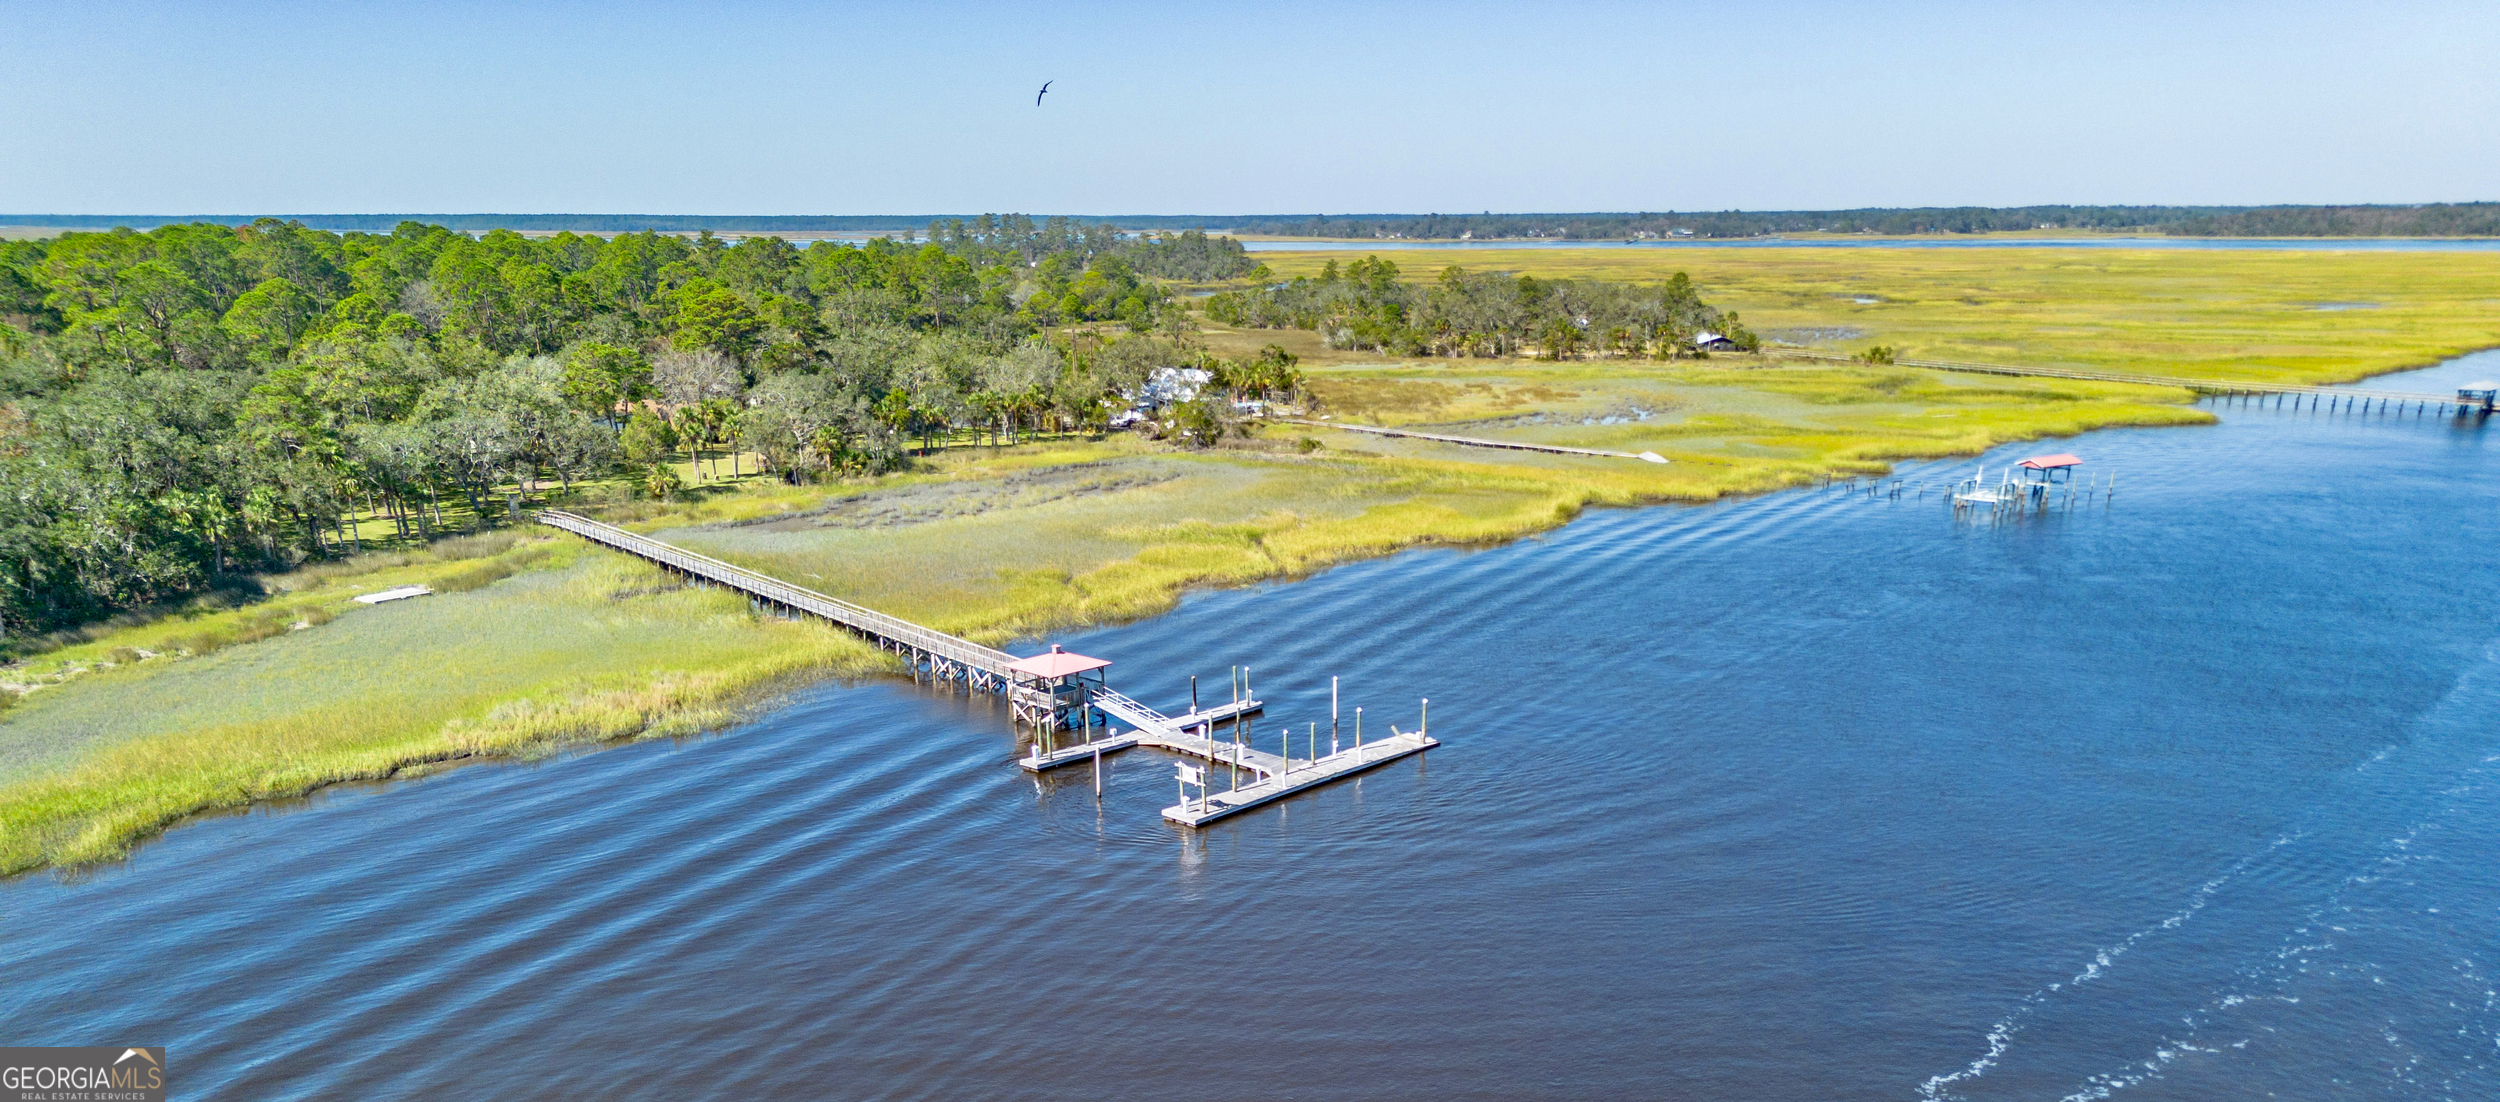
{"x": 2199, "y": 313}
{"x": 591, "y": 647}
{"x": 278, "y": 603}
{"x": 538, "y": 642}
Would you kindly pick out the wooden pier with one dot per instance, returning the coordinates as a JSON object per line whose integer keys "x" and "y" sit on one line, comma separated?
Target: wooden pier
{"x": 2297, "y": 395}
{"x": 930, "y": 652}
{"x": 1475, "y": 441}
{"x": 1049, "y": 692}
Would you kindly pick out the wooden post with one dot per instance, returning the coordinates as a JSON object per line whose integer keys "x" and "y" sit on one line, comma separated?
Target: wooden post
{"x": 1193, "y": 694}
{"x": 1358, "y": 731}
{"x": 1424, "y": 721}
{"x": 1097, "y": 774}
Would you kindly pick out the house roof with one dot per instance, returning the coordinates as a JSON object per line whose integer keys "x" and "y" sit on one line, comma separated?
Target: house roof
{"x": 1057, "y": 663}
{"x": 2050, "y": 462}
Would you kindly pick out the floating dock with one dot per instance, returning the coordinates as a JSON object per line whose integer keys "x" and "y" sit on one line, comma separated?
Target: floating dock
{"x": 1256, "y": 776}
{"x": 1277, "y": 777}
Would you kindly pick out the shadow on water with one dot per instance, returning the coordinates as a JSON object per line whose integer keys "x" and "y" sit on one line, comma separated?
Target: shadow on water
{"x": 1817, "y": 795}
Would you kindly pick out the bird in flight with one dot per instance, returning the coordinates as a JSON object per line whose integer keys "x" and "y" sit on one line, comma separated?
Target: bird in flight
{"x": 1037, "y": 96}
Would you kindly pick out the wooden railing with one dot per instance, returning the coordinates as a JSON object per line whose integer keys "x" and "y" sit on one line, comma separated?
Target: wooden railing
{"x": 867, "y": 621}
{"x": 2202, "y": 386}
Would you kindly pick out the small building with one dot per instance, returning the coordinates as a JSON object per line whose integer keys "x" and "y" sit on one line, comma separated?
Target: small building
{"x": 2482, "y": 395}
{"x": 2049, "y": 468}
{"x": 1053, "y": 690}
{"x": 1707, "y": 341}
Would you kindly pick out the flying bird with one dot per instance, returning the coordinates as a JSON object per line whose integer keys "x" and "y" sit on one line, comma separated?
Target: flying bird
{"x": 1037, "y": 96}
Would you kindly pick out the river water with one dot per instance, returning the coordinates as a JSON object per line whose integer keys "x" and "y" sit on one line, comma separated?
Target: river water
{"x": 2193, "y": 793}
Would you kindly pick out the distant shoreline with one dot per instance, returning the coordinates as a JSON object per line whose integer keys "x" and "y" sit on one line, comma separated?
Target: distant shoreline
{"x": 1263, "y": 242}
{"x": 2466, "y": 221}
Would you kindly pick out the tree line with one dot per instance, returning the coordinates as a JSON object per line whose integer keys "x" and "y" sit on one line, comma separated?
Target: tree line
{"x": 2418, "y": 220}
{"x": 2427, "y": 220}
{"x": 1604, "y": 226}
{"x": 201, "y": 400}
{"x": 1461, "y": 313}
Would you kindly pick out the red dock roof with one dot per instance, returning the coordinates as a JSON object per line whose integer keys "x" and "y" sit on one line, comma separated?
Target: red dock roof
{"x": 2047, "y": 462}
{"x": 1058, "y": 663}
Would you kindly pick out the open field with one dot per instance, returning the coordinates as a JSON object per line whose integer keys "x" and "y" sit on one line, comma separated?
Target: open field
{"x": 539, "y": 641}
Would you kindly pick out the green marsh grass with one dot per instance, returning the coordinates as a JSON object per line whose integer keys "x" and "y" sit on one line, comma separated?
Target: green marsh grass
{"x": 2248, "y": 314}
{"x": 538, "y": 641}
{"x": 588, "y": 646}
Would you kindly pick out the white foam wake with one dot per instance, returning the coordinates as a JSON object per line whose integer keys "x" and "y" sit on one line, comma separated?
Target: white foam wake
{"x": 2001, "y": 1035}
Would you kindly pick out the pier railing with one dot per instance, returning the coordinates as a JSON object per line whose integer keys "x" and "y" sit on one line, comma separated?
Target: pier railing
{"x": 946, "y": 656}
{"x": 892, "y": 632}
{"x": 1474, "y": 441}
{"x": 2201, "y": 386}
{"x": 1138, "y": 715}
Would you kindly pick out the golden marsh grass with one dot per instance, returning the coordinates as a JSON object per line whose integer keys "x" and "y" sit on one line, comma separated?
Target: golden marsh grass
{"x": 553, "y": 642}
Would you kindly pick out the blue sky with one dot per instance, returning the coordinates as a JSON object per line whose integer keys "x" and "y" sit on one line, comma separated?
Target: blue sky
{"x": 1180, "y": 107}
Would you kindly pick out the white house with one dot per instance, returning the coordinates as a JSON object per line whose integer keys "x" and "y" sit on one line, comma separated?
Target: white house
{"x": 1171, "y": 384}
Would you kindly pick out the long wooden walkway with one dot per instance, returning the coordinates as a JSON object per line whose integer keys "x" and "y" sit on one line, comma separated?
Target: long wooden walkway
{"x": 1475, "y": 441}
{"x": 945, "y": 656}
{"x": 930, "y": 652}
{"x": 2328, "y": 397}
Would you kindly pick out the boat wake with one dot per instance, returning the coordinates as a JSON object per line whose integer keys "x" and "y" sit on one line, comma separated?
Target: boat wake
{"x": 2001, "y": 1035}
{"x": 2388, "y": 955}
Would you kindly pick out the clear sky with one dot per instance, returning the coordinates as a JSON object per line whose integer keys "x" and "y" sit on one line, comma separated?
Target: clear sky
{"x": 1178, "y": 106}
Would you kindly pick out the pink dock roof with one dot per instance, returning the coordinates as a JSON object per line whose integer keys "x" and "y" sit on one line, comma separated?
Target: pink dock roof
{"x": 1058, "y": 663}
{"x": 2048, "y": 462}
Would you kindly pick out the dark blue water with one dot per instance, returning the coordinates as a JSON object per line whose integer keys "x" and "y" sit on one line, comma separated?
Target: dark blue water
{"x": 2324, "y": 244}
{"x": 2186, "y": 795}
